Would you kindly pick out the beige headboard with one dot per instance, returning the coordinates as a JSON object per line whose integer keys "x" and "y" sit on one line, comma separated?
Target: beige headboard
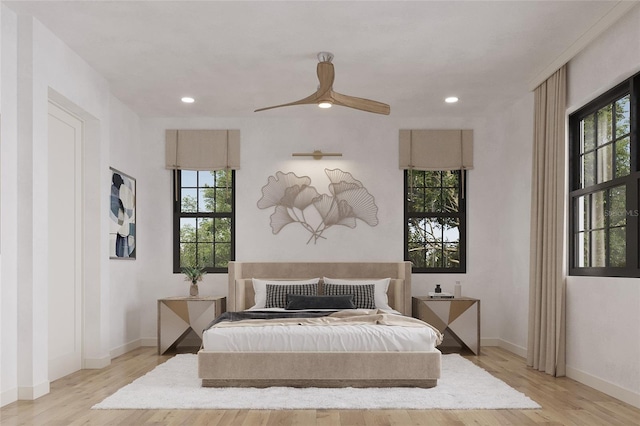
{"x": 241, "y": 289}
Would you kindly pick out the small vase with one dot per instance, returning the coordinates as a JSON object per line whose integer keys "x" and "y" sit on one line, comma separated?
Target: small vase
{"x": 193, "y": 290}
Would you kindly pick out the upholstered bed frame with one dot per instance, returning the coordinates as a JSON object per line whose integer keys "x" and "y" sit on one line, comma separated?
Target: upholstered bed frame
{"x": 319, "y": 369}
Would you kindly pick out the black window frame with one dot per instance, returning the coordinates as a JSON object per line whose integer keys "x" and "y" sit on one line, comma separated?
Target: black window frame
{"x": 461, "y": 215}
{"x": 178, "y": 214}
{"x": 631, "y": 269}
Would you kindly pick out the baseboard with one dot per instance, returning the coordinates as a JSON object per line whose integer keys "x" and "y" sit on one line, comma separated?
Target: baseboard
{"x": 9, "y": 396}
{"x": 489, "y": 342}
{"x": 30, "y": 393}
{"x": 615, "y": 391}
{"x": 624, "y": 395}
{"x": 96, "y": 363}
{"x": 149, "y": 341}
{"x": 121, "y": 350}
{"x": 513, "y": 348}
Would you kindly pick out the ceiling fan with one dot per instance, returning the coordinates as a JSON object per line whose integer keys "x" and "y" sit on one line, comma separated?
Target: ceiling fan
{"x": 325, "y": 97}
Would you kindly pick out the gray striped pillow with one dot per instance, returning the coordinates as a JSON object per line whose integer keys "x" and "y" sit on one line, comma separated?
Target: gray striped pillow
{"x": 277, "y": 293}
{"x": 363, "y": 295}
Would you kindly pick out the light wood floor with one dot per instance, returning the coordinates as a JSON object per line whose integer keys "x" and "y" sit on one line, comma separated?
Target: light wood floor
{"x": 563, "y": 401}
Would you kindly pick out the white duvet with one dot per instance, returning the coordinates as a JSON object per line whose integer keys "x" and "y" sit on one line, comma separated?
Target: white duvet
{"x": 342, "y": 338}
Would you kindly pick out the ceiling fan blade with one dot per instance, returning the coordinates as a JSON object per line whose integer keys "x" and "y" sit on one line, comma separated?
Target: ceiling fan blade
{"x": 326, "y": 75}
{"x": 361, "y": 103}
{"x": 312, "y": 99}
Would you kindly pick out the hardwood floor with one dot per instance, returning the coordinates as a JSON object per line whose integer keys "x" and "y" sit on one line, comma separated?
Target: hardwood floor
{"x": 563, "y": 401}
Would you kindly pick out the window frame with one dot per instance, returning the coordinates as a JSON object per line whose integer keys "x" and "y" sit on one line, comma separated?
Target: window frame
{"x": 178, "y": 214}
{"x": 631, "y": 86}
{"x": 461, "y": 215}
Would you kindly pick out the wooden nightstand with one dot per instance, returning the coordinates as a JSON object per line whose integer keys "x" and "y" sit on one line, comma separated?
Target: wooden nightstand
{"x": 177, "y": 316}
{"x": 460, "y": 317}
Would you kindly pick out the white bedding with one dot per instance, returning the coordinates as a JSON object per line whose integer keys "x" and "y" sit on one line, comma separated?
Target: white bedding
{"x": 301, "y": 338}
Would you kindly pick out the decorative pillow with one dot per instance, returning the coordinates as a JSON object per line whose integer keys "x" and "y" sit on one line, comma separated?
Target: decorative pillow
{"x": 260, "y": 289}
{"x": 363, "y": 294}
{"x": 381, "y": 287}
{"x": 277, "y": 294}
{"x": 296, "y": 301}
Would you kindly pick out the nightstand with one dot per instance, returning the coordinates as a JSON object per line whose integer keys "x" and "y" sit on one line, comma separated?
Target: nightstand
{"x": 459, "y": 317}
{"x": 178, "y": 316}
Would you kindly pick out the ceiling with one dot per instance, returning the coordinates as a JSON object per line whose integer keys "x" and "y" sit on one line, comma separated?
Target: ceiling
{"x": 237, "y": 56}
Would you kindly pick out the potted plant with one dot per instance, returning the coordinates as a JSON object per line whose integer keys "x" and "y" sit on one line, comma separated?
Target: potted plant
{"x": 193, "y": 274}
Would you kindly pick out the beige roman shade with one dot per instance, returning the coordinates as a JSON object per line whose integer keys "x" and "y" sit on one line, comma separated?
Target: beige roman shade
{"x": 436, "y": 149}
{"x": 203, "y": 149}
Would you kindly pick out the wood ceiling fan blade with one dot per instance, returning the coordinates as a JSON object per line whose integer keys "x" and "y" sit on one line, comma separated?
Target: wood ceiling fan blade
{"x": 312, "y": 99}
{"x": 326, "y": 75}
{"x": 361, "y": 103}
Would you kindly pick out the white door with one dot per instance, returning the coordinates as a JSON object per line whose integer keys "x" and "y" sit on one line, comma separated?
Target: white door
{"x": 65, "y": 242}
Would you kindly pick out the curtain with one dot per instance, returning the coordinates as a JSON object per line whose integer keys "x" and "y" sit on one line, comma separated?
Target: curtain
{"x": 547, "y": 278}
{"x": 436, "y": 149}
{"x": 202, "y": 149}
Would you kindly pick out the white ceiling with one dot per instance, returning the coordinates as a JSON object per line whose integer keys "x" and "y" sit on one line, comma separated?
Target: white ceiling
{"x": 236, "y": 56}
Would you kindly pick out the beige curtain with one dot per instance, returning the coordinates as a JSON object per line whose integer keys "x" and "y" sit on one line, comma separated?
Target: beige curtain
{"x": 430, "y": 149}
{"x": 546, "y": 343}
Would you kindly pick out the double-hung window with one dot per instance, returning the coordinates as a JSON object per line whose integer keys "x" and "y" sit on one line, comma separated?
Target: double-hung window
{"x": 435, "y": 221}
{"x": 204, "y": 220}
{"x": 603, "y": 179}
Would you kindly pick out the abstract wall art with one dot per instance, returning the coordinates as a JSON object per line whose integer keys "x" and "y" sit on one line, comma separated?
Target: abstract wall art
{"x": 122, "y": 211}
{"x": 295, "y": 201}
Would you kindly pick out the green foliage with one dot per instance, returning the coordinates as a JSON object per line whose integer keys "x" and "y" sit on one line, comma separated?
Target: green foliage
{"x": 605, "y": 155}
{"x": 193, "y": 273}
{"x": 205, "y": 238}
{"x": 433, "y": 236}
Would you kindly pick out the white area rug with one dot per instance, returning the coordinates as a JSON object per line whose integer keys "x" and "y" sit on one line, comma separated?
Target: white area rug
{"x": 175, "y": 385}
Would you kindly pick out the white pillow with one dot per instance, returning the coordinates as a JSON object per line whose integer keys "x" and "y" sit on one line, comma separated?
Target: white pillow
{"x": 380, "y": 289}
{"x": 260, "y": 289}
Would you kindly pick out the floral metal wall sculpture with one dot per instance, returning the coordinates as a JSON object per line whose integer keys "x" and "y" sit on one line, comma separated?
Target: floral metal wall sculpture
{"x": 295, "y": 201}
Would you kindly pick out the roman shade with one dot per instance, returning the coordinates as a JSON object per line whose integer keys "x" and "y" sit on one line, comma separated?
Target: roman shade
{"x": 202, "y": 149}
{"x": 427, "y": 149}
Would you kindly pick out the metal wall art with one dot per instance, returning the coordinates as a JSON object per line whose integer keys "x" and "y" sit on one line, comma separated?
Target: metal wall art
{"x": 295, "y": 201}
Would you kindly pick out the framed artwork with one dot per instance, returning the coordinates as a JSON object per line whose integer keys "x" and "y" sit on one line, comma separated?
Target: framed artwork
{"x": 122, "y": 212}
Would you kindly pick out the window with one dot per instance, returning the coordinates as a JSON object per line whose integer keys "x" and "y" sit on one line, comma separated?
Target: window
{"x": 203, "y": 225}
{"x": 603, "y": 179}
{"x": 435, "y": 233}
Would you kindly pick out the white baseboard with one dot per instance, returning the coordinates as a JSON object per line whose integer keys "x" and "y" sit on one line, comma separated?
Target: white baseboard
{"x": 624, "y": 395}
{"x": 613, "y": 390}
{"x": 513, "y": 348}
{"x": 489, "y": 342}
{"x": 8, "y": 396}
{"x": 96, "y": 363}
{"x": 30, "y": 393}
{"x": 121, "y": 350}
{"x": 149, "y": 341}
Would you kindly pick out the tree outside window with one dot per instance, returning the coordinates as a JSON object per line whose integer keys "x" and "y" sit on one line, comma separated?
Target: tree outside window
{"x": 203, "y": 220}
{"x": 435, "y": 237}
{"x": 603, "y": 199}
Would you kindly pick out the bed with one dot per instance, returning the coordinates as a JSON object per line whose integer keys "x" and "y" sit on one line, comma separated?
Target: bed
{"x": 242, "y": 365}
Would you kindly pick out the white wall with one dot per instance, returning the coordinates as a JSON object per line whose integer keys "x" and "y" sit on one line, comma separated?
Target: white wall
{"x": 509, "y": 194}
{"x": 36, "y": 67}
{"x": 369, "y": 145}
{"x": 603, "y": 314}
{"x": 124, "y": 291}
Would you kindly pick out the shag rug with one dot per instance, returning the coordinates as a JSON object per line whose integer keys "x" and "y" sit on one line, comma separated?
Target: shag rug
{"x": 175, "y": 385}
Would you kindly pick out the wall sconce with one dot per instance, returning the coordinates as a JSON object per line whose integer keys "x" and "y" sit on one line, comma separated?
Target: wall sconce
{"x": 317, "y": 154}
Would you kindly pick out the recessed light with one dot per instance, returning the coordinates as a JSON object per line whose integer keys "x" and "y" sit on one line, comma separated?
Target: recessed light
{"x": 188, "y": 100}
{"x": 451, "y": 100}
